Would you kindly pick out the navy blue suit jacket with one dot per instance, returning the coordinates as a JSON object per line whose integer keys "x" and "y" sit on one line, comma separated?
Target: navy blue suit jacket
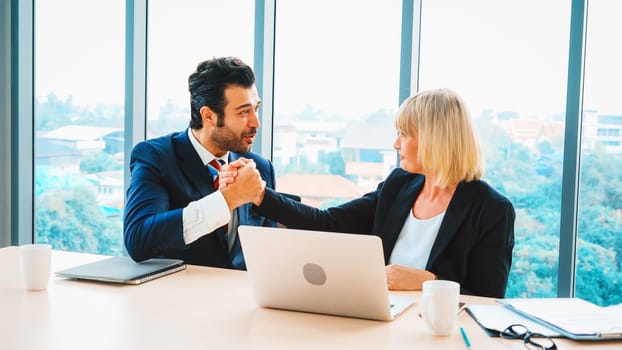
{"x": 474, "y": 244}
{"x": 167, "y": 174}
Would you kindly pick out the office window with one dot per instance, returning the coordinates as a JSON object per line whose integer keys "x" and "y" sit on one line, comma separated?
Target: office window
{"x": 599, "y": 245}
{"x": 609, "y": 119}
{"x": 335, "y": 97}
{"x": 180, "y": 35}
{"x": 509, "y": 62}
{"x": 78, "y": 124}
{"x": 607, "y": 132}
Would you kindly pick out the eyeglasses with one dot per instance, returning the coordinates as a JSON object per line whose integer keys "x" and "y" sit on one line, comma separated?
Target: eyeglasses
{"x": 518, "y": 331}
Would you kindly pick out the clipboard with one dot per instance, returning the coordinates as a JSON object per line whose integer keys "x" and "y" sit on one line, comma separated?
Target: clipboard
{"x": 573, "y": 318}
{"x": 494, "y": 318}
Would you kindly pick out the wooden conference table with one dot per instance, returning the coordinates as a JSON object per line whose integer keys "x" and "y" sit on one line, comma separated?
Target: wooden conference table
{"x": 200, "y": 308}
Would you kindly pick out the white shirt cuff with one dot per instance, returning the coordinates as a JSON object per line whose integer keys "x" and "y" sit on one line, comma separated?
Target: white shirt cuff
{"x": 204, "y": 216}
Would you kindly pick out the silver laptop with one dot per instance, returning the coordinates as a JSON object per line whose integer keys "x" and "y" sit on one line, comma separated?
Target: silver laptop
{"x": 320, "y": 272}
{"x": 122, "y": 269}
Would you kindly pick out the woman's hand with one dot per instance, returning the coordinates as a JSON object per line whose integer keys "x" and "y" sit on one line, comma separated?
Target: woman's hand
{"x": 407, "y": 278}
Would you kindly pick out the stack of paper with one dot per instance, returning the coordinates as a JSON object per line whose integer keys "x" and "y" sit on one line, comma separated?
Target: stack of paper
{"x": 573, "y": 318}
{"x": 494, "y": 318}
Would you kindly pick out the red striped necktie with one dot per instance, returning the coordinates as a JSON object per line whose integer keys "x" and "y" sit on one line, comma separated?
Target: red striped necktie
{"x": 214, "y": 168}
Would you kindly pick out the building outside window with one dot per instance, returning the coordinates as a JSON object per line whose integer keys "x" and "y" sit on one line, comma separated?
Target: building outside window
{"x": 79, "y": 116}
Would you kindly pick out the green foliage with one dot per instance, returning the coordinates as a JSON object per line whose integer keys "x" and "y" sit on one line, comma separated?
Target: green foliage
{"x": 52, "y": 113}
{"x": 67, "y": 214}
{"x": 537, "y": 200}
{"x": 336, "y": 164}
{"x": 98, "y": 162}
{"x": 70, "y": 219}
{"x": 170, "y": 118}
{"x": 534, "y": 266}
{"x": 300, "y": 164}
{"x": 598, "y": 274}
{"x": 46, "y": 180}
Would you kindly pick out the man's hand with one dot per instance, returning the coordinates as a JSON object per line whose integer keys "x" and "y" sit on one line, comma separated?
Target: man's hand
{"x": 229, "y": 172}
{"x": 241, "y": 183}
{"x": 407, "y": 278}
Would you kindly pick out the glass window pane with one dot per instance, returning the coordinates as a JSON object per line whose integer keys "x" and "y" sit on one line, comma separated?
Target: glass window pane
{"x": 180, "y": 35}
{"x": 79, "y": 93}
{"x": 508, "y": 60}
{"x": 336, "y": 85}
{"x": 599, "y": 247}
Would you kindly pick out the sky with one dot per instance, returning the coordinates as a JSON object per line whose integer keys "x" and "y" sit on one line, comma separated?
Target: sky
{"x": 79, "y": 50}
{"x": 513, "y": 55}
{"x": 501, "y": 55}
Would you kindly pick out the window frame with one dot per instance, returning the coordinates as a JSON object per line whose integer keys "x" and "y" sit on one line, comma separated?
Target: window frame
{"x": 17, "y": 93}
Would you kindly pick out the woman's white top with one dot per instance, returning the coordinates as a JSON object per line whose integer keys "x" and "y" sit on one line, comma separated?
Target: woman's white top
{"x": 415, "y": 241}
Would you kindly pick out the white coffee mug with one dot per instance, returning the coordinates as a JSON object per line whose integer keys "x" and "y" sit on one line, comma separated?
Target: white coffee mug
{"x": 439, "y": 305}
{"x": 36, "y": 260}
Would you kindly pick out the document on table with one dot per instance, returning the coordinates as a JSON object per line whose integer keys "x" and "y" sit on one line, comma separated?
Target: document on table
{"x": 574, "y": 318}
{"x": 494, "y": 318}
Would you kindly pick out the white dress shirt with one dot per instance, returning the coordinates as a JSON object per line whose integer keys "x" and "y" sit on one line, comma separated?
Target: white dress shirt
{"x": 205, "y": 215}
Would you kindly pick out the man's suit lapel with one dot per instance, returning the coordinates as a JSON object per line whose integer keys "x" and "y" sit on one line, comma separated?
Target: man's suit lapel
{"x": 195, "y": 172}
{"x": 191, "y": 164}
{"x": 457, "y": 211}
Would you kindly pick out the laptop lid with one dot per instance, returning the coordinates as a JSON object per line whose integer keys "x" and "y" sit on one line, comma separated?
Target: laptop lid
{"x": 122, "y": 269}
{"x": 320, "y": 272}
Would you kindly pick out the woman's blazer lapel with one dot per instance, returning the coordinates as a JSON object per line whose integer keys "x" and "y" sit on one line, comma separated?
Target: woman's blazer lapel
{"x": 398, "y": 212}
{"x": 457, "y": 210}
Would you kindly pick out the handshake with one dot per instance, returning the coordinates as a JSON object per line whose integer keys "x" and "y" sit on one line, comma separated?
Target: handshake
{"x": 241, "y": 183}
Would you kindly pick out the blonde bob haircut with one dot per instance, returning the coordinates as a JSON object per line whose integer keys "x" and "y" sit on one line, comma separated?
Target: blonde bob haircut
{"x": 448, "y": 147}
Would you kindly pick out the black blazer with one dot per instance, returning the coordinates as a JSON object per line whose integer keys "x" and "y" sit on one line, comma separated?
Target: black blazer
{"x": 475, "y": 240}
{"x": 167, "y": 174}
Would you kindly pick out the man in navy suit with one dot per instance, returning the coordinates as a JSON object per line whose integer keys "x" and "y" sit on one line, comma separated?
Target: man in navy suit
{"x": 173, "y": 207}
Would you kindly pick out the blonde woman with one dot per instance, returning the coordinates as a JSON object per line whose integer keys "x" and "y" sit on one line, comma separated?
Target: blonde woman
{"x": 437, "y": 219}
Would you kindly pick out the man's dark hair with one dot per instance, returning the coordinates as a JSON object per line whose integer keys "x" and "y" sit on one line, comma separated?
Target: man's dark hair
{"x": 208, "y": 83}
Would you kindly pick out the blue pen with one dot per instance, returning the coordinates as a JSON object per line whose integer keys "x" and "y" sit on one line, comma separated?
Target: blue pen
{"x": 466, "y": 339}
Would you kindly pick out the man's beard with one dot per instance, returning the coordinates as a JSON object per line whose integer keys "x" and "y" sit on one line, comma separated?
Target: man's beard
{"x": 226, "y": 140}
